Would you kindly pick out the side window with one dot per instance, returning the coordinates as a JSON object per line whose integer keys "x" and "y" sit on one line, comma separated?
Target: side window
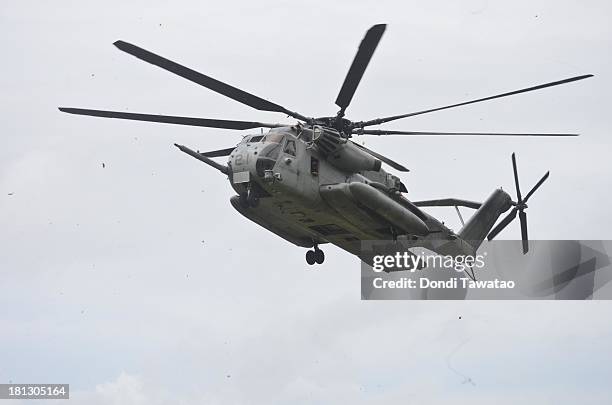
{"x": 290, "y": 147}
{"x": 314, "y": 166}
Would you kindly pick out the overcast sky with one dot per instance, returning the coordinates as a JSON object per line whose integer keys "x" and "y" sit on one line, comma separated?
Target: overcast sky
{"x": 139, "y": 283}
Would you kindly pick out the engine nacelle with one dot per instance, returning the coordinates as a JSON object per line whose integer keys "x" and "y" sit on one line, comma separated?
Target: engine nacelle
{"x": 350, "y": 158}
{"x": 343, "y": 154}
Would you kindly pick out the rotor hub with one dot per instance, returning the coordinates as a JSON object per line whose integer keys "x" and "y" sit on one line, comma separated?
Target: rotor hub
{"x": 340, "y": 124}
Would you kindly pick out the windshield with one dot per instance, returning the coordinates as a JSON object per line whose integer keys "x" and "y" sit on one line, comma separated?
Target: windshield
{"x": 273, "y": 138}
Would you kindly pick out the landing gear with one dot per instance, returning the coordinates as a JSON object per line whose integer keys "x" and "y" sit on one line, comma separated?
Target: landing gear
{"x": 310, "y": 257}
{"x": 252, "y": 199}
{"x": 315, "y": 256}
{"x": 319, "y": 256}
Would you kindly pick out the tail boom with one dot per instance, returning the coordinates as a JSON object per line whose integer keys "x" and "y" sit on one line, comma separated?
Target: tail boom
{"x": 480, "y": 224}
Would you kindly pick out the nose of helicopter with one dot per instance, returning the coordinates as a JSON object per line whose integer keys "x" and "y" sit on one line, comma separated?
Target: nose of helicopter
{"x": 266, "y": 159}
{"x": 259, "y": 158}
{"x": 250, "y": 162}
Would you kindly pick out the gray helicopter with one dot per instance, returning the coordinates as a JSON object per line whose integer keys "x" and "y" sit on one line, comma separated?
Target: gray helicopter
{"x": 310, "y": 184}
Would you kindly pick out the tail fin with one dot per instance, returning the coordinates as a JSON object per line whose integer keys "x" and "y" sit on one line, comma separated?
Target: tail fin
{"x": 479, "y": 225}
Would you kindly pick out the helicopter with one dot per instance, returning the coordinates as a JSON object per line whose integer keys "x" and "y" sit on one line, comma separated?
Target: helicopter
{"x": 311, "y": 184}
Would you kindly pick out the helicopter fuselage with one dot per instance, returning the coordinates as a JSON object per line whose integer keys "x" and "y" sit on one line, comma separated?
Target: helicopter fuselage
{"x": 288, "y": 185}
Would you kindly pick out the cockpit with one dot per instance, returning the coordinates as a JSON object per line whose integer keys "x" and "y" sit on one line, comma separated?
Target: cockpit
{"x": 255, "y": 138}
{"x": 273, "y": 138}
{"x": 273, "y": 144}
{"x": 269, "y": 138}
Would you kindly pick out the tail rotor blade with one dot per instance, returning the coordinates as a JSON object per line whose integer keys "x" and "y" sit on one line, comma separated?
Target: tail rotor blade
{"x": 500, "y": 227}
{"x": 360, "y": 63}
{"x": 524, "y": 237}
{"x": 516, "y": 180}
{"x": 538, "y": 184}
{"x": 519, "y": 207}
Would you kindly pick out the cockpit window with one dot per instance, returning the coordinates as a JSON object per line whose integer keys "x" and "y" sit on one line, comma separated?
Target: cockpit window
{"x": 256, "y": 138}
{"x": 290, "y": 147}
{"x": 271, "y": 151}
{"x": 273, "y": 138}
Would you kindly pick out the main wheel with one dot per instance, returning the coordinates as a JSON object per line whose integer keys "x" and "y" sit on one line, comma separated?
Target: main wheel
{"x": 310, "y": 257}
{"x": 319, "y": 256}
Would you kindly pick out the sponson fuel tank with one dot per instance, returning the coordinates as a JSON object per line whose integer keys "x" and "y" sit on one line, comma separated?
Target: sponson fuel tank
{"x": 376, "y": 201}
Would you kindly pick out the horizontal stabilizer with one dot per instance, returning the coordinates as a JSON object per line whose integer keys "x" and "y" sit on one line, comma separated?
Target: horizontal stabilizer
{"x": 448, "y": 202}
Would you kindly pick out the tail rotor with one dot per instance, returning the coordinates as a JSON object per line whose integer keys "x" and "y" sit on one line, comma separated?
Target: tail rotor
{"x": 519, "y": 207}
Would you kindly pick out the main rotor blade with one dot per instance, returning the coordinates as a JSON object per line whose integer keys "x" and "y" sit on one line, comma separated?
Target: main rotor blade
{"x": 359, "y": 65}
{"x": 516, "y": 179}
{"x": 523, "y": 220}
{"x": 511, "y": 93}
{"x": 169, "y": 119}
{"x": 500, "y": 227}
{"x": 420, "y": 133}
{"x": 217, "y": 153}
{"x": 215, "y": 85}
{"x": 538, "y": 184}
{"x": 385, "y": 159}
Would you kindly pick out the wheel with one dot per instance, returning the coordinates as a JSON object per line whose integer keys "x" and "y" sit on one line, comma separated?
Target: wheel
{"x": 310, "y": 257}
{"x": 319, "y": 256}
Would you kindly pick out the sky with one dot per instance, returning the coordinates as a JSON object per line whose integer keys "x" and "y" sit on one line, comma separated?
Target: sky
{"x": 137, "y": 282}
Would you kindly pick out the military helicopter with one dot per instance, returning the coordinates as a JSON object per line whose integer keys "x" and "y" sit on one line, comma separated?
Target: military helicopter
{"x": 310, "y": 184}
